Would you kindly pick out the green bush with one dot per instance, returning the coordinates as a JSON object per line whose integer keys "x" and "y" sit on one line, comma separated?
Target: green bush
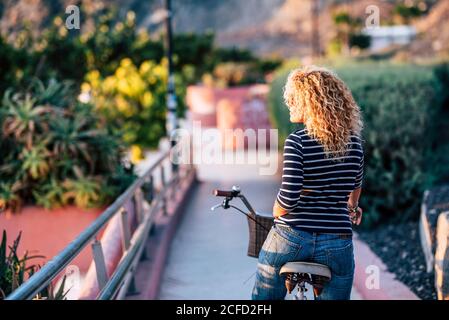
{"x": 278, "y": 112}
{"x": 15, "y": 65}
{"x": 55, "y": 151}
{"x": 109, "y": 37}
{"x": 133, "y": 100}
{"x": 114, "y": 39}
{"x": 98, "y": 51}
{"x": 404, "y": 118}
{"x": 222, "y": 66}
{"x": 69, "y": 54}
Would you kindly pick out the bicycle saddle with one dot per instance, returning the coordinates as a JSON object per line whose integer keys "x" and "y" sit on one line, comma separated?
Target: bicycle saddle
{"x": 306, "y": 267}
{"x": 299, "y": 272}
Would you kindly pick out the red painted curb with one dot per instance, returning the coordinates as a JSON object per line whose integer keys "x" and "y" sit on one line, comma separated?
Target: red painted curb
{"x": 151, "y": 290}
{"x": 372, "y": 279}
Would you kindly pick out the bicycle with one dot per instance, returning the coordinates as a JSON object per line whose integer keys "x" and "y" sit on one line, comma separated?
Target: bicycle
{"x": 297, "y": 273}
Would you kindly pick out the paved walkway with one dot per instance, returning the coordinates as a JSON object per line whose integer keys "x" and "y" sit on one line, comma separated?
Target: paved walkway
{"x": 208, "y": 255}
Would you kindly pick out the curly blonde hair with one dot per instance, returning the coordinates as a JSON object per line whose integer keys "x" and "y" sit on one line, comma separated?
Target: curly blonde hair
{"x": 326, "y": 106}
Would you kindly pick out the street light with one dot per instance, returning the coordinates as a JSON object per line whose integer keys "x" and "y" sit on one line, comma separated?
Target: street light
{"x": 172, "y": 104}
{"x": 159, "y": 16}
{"x": 171, "y": 94}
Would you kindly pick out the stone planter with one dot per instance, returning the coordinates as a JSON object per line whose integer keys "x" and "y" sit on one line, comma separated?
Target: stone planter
{"x": 434, "y": 233}
{"x": 233, "y": 108}
{"x": 434, "y": 202}
{"x": 442, "y": 257}
{"x": 47, "y": 232}
{"x": 202, "y": 105}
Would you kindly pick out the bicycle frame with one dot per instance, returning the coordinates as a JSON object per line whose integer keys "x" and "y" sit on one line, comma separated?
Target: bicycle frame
{"x": 235, "y": 193}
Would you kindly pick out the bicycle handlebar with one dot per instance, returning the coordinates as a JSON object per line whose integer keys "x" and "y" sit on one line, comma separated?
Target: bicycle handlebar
{"x": 233, "y": 193}
{"x": 227, "y": 193}
{"x": 223, "y": 193}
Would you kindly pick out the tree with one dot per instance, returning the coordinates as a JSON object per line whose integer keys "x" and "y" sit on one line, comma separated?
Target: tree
{"x": 349, "y": 33}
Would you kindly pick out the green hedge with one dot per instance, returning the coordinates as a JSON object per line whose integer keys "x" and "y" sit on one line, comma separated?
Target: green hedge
{"x": 405, "y": 111}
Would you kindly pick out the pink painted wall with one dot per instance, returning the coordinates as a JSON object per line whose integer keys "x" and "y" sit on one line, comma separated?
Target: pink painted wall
{"x": 46, "y": 232}
{"x": 242, "y": 107}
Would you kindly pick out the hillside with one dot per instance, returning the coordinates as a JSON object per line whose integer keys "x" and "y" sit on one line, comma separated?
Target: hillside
{"x": 434, "y": 29}
{"x": 268, "y": 27}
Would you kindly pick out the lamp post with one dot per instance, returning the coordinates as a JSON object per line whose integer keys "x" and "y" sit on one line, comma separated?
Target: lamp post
{"x": 172, "y": 122}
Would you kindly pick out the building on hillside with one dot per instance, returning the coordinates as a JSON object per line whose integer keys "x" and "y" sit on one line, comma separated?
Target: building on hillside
{"x": 385, "y": 36}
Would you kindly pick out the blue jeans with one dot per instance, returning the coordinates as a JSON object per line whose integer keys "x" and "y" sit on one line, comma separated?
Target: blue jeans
{"x": 285, "y": 244}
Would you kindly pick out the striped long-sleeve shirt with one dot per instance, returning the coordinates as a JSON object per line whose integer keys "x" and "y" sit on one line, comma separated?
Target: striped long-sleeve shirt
{"x": 315, "y": 189}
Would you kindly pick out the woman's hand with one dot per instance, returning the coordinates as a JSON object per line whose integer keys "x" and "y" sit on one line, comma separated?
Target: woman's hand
{"x": 356, "y": 217}
{"x": 278, "y": 210}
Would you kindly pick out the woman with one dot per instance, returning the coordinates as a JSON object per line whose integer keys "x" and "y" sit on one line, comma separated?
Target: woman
{"x": 321, "y": 184}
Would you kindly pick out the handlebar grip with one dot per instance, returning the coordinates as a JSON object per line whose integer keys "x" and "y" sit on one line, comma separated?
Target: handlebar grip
{"x": 223, "y": 193}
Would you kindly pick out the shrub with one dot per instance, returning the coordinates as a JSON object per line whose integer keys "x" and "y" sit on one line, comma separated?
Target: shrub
{"x": 132, "y": 100}
{"x": 56, "y": 152}
{"x": 402, "y": 107}
{"x": 56, "y": 52}
{"x": 114, "y": 39}
{"x": 53, "y": 44}
{"x": 229, "y": 74}
{"x": 109, "y": 37}
{"x": 14, "y": 64}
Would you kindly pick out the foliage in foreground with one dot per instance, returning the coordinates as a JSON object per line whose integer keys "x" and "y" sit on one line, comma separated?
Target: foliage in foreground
{"x": 56, "y": 151}
{"x": 16, "y": 269}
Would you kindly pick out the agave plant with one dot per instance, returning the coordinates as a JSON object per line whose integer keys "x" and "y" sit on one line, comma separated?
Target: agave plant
{"x": 22, "y": 117}
{"x": 56, "y": 151}
{"x": 84, "y": 192}
{"x": 50, "y": 194}
{"x": 50, "y": 294}
{"x": 54, "y": 93}
{"x": 70, "y": 136}
{"x": 13, "y": 268}
{"x": 36, "y": 160}
{"x": 9, "y": 197}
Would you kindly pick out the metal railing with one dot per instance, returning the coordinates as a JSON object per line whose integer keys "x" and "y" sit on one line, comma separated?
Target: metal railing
{"x": 115, "y": 286}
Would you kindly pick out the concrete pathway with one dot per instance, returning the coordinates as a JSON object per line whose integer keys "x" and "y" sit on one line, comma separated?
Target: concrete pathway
{"x": 208, "y": 255}
{"x": 208, "y": 258}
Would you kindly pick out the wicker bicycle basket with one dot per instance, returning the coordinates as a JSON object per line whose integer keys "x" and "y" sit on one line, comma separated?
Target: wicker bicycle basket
{"x": 258, "y": 232}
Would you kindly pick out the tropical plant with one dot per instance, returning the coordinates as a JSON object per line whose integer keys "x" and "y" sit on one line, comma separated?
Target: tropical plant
{"x": 9, "y": 197}
{"x": 21, "y": 117}
{"x": 57, "y": 152}
{"x": 13, "y": 268}
{"x": 49, "y": 292}
{"x": 84, "y": 191}
{"x": 16, "y": 269}
{"x": 35, "y": 160}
